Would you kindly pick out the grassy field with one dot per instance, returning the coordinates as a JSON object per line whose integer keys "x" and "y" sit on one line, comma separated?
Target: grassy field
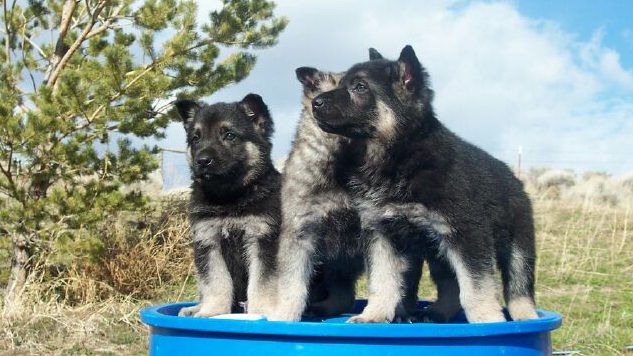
{"x": 585, "y": 272}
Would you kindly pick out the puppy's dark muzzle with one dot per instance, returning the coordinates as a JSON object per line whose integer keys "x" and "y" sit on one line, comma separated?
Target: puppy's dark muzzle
{"x": 322, "y": 109}
{"x": 204, "y": 161}
{"x": 205, "y": 166}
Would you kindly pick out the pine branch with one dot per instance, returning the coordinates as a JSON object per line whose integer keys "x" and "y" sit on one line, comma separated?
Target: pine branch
{"x": 147, "y": 69}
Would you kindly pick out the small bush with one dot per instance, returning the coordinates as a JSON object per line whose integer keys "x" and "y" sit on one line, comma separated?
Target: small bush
{"x": 137, "y": 258}
{"x": 556, "y": 178}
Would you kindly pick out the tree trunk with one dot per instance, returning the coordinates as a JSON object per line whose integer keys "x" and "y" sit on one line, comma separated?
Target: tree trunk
{"x": 19, "y": 271}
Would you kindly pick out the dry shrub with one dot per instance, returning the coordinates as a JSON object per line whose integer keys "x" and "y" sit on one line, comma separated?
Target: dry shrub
{"x": 92, "y": 306}
{"x": 141, "y": 266}
{"x": 601, "y": 189}
{"x": 548, "y": 183}
{"x": 556, "y": 178}
{"x": 589, "y": 175}
{"x": 138, "y": 259}
{"x": 626, "y": 181}
{"x": 593, "y": 188}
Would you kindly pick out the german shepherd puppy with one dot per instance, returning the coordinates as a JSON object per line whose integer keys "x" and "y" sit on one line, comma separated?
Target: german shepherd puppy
{"x": 320, "y": 228}
{"x": 234, "y": 207}
{"x": 418, "y": 184}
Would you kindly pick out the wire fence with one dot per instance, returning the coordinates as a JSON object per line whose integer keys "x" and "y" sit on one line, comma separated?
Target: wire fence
{"x": 175, "y": 168}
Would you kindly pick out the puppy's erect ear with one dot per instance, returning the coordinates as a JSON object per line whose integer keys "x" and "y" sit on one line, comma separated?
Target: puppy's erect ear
{"x": 254, "y": 107}
{"x": 186, "y": 110}
{"x": 308, "y": 76}
{"x": 410, "y": 69}
{"x": 373, "y": 54}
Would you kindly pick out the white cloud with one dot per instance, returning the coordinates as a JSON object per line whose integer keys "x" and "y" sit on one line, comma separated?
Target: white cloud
{"x": 605, "y": 61}
{"x": 501, "y": 79}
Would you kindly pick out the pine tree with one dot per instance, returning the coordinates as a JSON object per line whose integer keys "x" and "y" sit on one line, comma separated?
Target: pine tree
{"x": 78, "y": 79}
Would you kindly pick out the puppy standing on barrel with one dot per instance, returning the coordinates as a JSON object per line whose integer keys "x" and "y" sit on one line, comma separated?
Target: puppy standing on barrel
{"x": 421, "y": 180}
{"x": 320, "y": 227}
{"x": 234, "y": 206}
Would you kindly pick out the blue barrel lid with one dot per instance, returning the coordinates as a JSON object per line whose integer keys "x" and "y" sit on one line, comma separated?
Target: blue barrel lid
{"x": 166, "y": 316}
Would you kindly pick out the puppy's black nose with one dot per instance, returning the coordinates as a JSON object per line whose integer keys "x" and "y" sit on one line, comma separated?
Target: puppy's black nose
{"x": 318, "y": 102}
{"x": 204, "y": 161}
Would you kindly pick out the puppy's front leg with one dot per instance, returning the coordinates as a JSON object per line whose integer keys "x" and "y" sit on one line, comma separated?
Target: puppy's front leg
{"x": 295, "y": 260}
{"x": 385, "y": 270}
{"x": 262, "y": 281}
{"x": 214, "y": 280}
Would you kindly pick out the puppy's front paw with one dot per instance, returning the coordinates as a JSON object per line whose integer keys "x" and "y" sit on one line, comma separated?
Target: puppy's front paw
{"x": 204, "y": 310}
{"x": 284, "y": 315}
{"x": 485, "y": 316}
{"x": 522, "y": 309}
{"x": 259, "y": 309}
{"x": 370, "y": 318}
{"x": 189, "y": 311}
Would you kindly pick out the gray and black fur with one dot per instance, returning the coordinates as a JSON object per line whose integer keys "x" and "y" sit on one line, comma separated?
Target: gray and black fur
{"x": 234, "y": 207}
{"x": 320, "y": 228}
{"x": 421, "y": 190}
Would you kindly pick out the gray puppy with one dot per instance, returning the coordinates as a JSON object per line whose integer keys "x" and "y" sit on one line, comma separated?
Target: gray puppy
{"x": 320, "y": 228}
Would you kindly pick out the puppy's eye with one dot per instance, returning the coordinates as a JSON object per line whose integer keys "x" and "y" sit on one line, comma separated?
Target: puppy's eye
{"x": 195, "y": 138}
{"x": 360, "y": 87}
{"x": 229, "y": 136}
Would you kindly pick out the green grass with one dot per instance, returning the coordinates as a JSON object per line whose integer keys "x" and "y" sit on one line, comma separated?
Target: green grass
{"x": 584, "y": 272}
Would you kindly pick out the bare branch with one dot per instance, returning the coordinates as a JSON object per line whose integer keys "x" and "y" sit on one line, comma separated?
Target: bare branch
{"x": 67, "y": 15}
{"x": 7, "y": 173}
{"x": 74, "y": 47}
{"x": 37, "y": 47}
{"x": 7, "y": 40}
{"x": 108, "y": 22}
{"x": 25, "y": 109}
{"x": 26, "y": 65}
{"x": 88, "y": 8}
{"x": 60, "y": 47}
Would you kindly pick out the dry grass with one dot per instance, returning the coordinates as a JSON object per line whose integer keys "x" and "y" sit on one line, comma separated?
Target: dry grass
{"x": 585, "y": 272}
{"x": 51, "y": 328}
{"x": 138, "y": 260}
{"x": 92, "y": 306}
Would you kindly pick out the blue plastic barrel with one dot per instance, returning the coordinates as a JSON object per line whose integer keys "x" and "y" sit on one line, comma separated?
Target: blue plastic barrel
{"x": 174, "y": 335}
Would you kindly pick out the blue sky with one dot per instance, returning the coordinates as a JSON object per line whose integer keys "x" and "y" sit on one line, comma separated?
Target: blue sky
{"x": 552, "y": 77}
{"x": 584, "y": 17}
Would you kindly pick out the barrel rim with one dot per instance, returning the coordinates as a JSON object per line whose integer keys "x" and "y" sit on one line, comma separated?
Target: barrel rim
{"x": 164, "y": 316}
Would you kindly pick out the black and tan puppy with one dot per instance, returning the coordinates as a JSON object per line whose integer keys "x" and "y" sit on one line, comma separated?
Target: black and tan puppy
{"x": 421, "y": 189}
{"x": 234, "y": 208}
